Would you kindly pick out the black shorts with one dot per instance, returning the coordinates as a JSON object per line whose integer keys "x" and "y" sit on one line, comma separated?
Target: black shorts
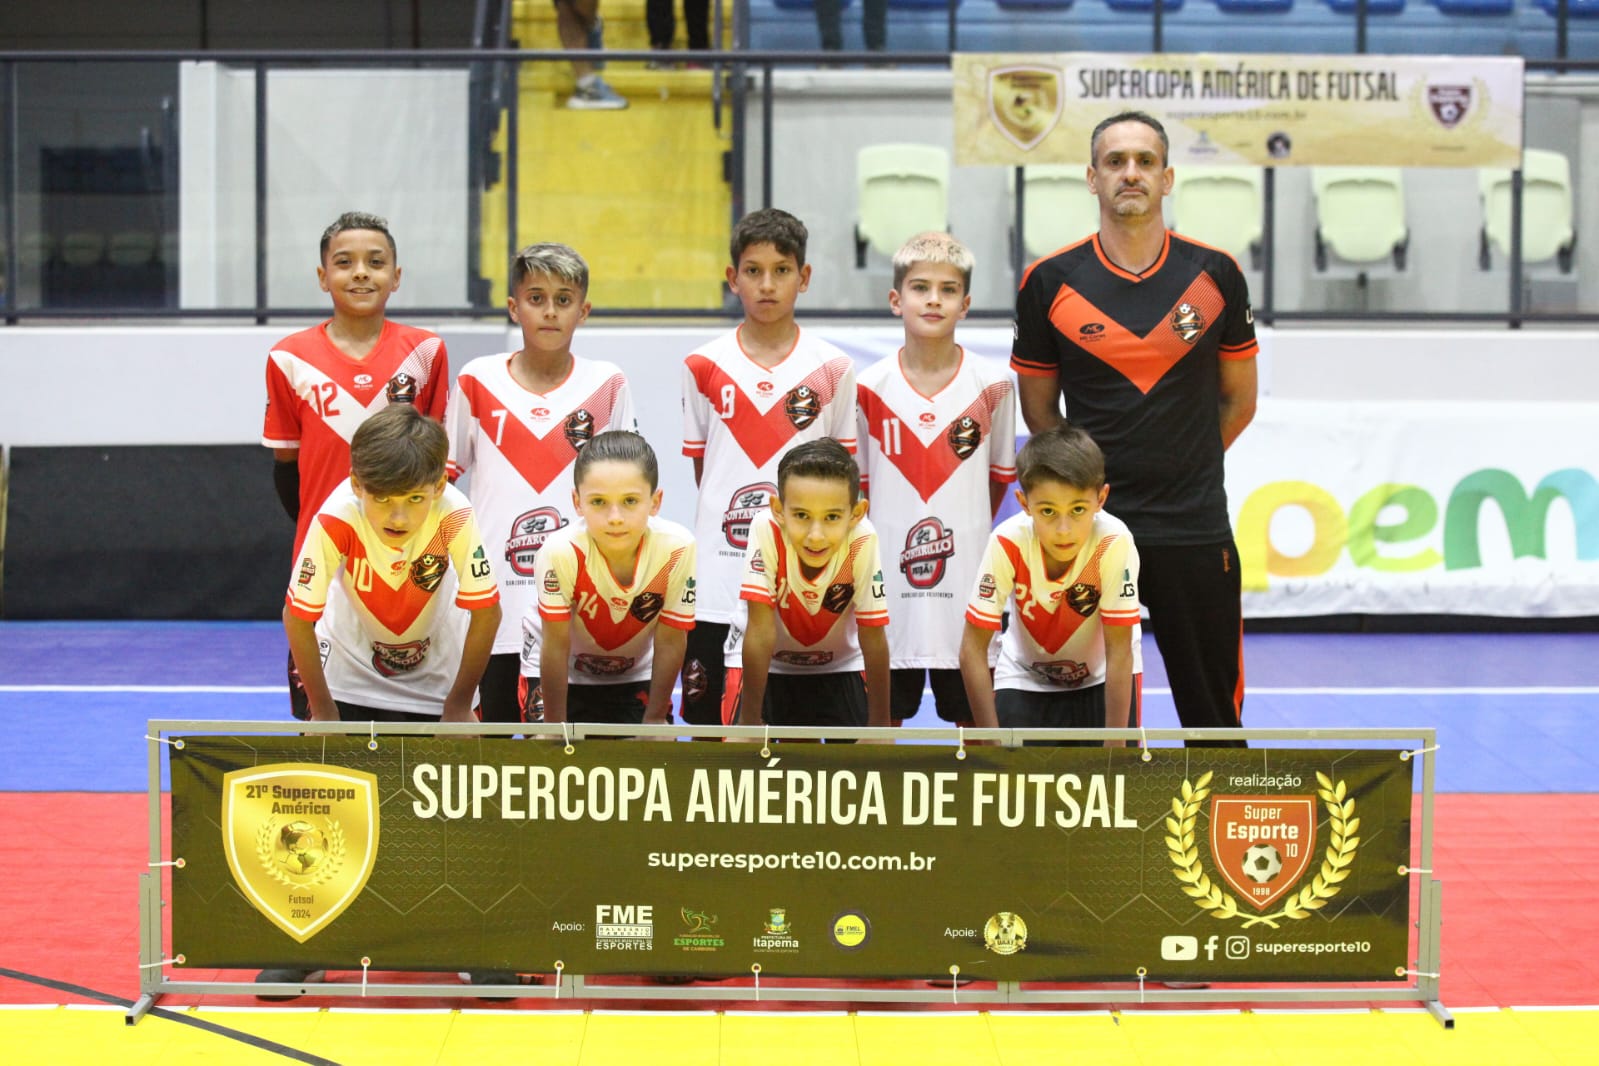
{"x": 704, "y": 674}
{"x": 497, "y": 690}
{"x": 622, "y": 704}
{"x": 815, "y": 700}
{"x": 355, "y": 712}
{"x": 1082, "y": 708}
{"x": 949, "y": 694}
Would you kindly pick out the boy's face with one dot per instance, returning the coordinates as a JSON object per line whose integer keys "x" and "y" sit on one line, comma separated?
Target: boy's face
{"x": 931, "y": 299}
{"x": 615, "y": 502}
{"x": 397, "y": 517}
{"x": 767, "y": 283}
{"x": 815, "y": 515}
{"x": 359, "y": 272}
{"x": 549, "y": 310}
{"x": 1063, "y": 516}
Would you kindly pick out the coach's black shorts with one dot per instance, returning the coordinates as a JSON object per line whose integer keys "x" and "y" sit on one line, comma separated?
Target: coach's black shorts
{"x": 905, "y": 687}
{"x": 1081, "y": 708}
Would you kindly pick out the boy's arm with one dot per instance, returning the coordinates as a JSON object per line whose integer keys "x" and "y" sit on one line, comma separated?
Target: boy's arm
{"x": 996, "y": 496}
{"x": 760, "y": 641}
{"x": 699, "y": 470}
{"x": 308, "y": 661}
{"x": 475, "y": 651}
{"x": 974, "y": 674}
{"x": 555, "y": 651}
{"x": 286, "y": 479}
{"x": 1118, "y": 679}
{"x": 670, "y": 645}
{"x": 874, "y": 650}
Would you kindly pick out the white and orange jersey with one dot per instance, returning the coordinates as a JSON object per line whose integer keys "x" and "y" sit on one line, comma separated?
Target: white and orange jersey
{"x": 741, "y": 417}
{"x": 613, "y": 625}
{"x": 519, "y": 447}
{"x": 394, "y": 635}
{"x": 1055, "y": 639}
{"x": 815, "y": 631}
{"x": 317, "y": 396}
{"x": 926, "y": 463}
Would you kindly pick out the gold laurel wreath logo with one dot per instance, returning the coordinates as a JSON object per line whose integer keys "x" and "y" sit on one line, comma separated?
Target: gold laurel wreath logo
{"x": 1208, "y": 896}
{"x": 327, "y": 869}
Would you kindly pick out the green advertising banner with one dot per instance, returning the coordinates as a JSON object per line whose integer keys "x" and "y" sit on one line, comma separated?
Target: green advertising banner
{"x": 648, "y": 857}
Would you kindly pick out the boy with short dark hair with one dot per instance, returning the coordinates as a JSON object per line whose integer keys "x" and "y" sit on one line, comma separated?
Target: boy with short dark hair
{"x": 323, "y": 382}
{"x": 398, "y": 549}
{"x": 1069, "y": 572}
{"x": 813, "y": 597}
{"x": 518, "y": 422}
{"x": 748, "y": 397}
{"x": 938, "y": 447}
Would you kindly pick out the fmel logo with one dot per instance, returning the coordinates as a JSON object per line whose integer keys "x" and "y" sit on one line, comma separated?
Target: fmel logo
{"x": 301, "y": 840}
{"x": 928, "y": 548}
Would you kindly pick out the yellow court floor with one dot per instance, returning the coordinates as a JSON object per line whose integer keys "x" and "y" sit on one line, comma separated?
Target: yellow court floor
{"x": 66, "y": 1036}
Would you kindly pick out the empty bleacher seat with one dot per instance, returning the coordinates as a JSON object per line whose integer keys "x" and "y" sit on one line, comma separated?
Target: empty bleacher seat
{"x": 1222, "y": 206}
{"x": 1475, "y": 7}
{"x": 1057, "y": 207}
{"x": 1546, "y": 227}
{"x": 1253, "y": 7}
{"x": 1577, "y": 9}
{"x": 1373, "y": 7}
{"x": 1360, "y": 216}
{"x": 903, "y": 191}
{"x": 1033, "y": 5}
{"x": 1143, "y": 5}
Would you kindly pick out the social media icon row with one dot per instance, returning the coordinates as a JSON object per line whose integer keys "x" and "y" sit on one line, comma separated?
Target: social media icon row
{"x": 1183, "y": 948}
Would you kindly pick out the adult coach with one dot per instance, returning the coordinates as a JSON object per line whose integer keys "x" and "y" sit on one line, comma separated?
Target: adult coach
{"x": 1150, "y": 339}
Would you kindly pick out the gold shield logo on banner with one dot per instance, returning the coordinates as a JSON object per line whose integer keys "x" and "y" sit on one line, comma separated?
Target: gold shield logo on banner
{"x": 1262, "y": 844}
{"x": 301, "y": 840}
{"x": 1025, "y": 103}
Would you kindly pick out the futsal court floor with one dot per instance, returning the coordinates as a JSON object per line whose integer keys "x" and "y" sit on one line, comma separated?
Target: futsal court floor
{"x": 1516, "y": 847}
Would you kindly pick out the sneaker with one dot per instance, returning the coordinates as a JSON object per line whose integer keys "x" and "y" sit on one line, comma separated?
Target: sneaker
{"x": 286, "y": 977}
{"x": 595, "y": 40}
{"x": 595, "y": 95}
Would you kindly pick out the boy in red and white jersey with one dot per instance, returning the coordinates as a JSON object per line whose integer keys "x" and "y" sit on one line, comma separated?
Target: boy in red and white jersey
{"x": 616, "y": 596}
{"x": 325, "y": 381}
{"x": 748, "y": 397}
{"x": 517, "y": 422}
{"x": 938, "y": 447}
{"x": 1069, "y": 572}
{"x": 397, "y": 549}
{"x": 815, "y": 611}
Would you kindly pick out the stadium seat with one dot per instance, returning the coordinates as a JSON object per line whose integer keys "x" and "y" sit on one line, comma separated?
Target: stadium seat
{"x": 921, "y": 5}
{"x": 1143, "y": 5}
{"x": 807, "y": 5}
{"x": 82, "y": 249}
{"x": 1373, "y": 7}
{"x": 1253, "y": 7}
{"x": 132, "y": 248}
{"x": 1360, "y": 216}
{"x": 904, "y": 190}
{"x": 1221, "y": 206}
{"x": 1577, "y": 9}
{"x": 1546, "y": 228}
{"x": 1033, "y": 5}
{"x": 1057, "y": 208}
{"x": 1475, "y": 7}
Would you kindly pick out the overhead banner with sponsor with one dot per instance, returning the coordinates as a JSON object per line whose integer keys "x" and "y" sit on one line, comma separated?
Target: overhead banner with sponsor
{"x": 815, "y": 860}
{"x": 1018, "y": 109}
{"x": 1417, "y": 508}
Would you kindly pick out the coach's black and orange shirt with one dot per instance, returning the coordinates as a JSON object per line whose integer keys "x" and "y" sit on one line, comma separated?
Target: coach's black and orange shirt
{"x": 1138, "y": 358}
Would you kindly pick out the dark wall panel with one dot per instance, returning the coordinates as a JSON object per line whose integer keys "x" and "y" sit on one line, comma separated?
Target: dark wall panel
{"x": 145, "y": 532}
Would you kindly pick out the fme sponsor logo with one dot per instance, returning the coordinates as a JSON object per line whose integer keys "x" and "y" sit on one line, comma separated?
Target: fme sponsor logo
{"x": 624, "y": 927}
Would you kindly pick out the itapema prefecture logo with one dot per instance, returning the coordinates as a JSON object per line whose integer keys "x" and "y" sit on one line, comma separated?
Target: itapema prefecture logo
{"x": 777, "y": 934}
{"x": 301, "y": 840}
{"x": 1025, "y": 103}
{"x": 1263, "y": 847}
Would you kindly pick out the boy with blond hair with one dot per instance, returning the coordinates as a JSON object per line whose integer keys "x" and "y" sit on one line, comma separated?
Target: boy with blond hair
{"x": 938, "y": 447}
{"x": 748, "y": 397}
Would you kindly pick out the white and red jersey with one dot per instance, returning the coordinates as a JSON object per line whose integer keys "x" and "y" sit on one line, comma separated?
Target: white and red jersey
{"x": 1055, "y": 639}
{"x": 520, "y": 447}
{"x": 613, "y": 625}
{"x": 394, "y": 637}
{"x": 927, "y": 463}
{"x": 317, "y": 396}
{"x": 741, "y": 417}
{"x": 815, "y": 631}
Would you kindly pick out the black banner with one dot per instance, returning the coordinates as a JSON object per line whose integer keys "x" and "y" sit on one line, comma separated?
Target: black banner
{"x": 815, "y": 860}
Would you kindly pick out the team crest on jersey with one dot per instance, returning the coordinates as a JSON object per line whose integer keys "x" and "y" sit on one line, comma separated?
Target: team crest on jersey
{"x": 427, "y": 573}
{"x": 552, "y": 583}
{"x": 402, "y": 388}
{"x": 1083, "y": 598}
{"x": 964, "y": 436}
{"x": 928, "y": 546}
{"x": 746, "y": 503}
{"x": 1065, "y": 672}
{"x": 307, "y": 570}
{"x": 528, "y": 534}
{"x": 986, "y": 587}
{"x": 1187, "y": 322}
{"x": 802, "y": 405}
{"x": 579, "y": 428}
{"x": 803, "y": 658}
{"x": 646, "y": 605}
{"x": 838, "y": 596}
{"x": 603, "y": 665}
{"x": 392, "y": 659}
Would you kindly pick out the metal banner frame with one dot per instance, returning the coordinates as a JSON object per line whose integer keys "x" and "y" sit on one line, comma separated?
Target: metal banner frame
{"x": 1423, "y": 973}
